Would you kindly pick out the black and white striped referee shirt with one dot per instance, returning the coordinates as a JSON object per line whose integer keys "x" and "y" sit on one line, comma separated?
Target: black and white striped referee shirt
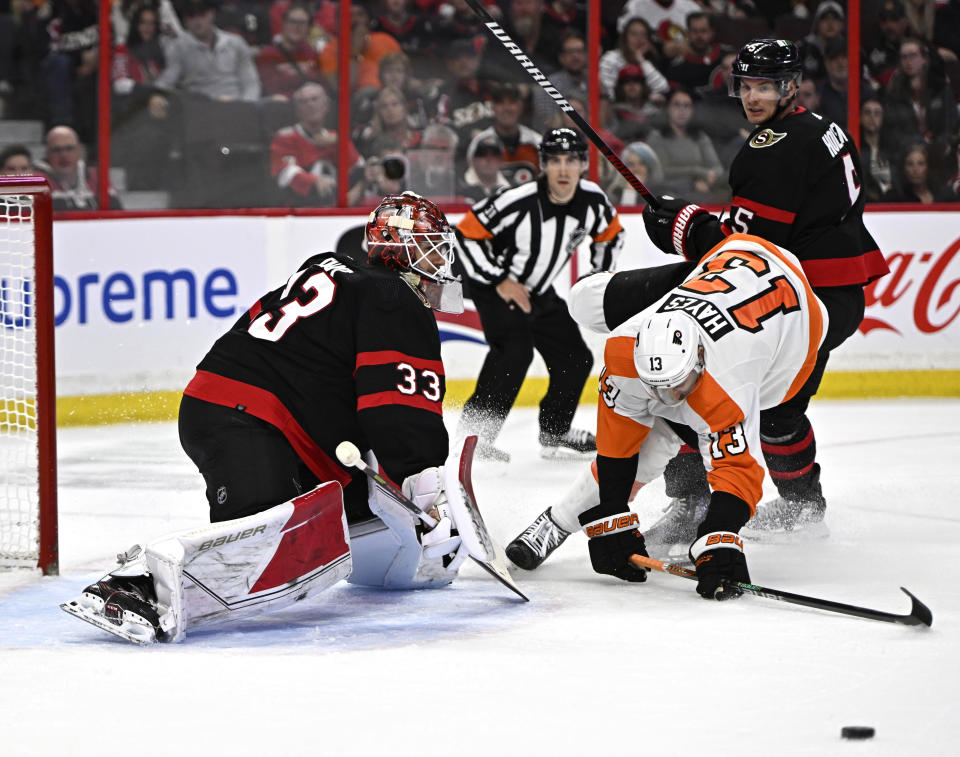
{"x": 521, "y": 234}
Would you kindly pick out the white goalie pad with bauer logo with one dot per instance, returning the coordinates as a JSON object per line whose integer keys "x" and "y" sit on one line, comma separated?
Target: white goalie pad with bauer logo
{"x": 242, "y": 567}
{"x": 260, "y": 563}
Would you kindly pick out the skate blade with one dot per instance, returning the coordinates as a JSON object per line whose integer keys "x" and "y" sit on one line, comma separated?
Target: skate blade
{"x": 807, "y": 532}
{"x": 131, "y": 631}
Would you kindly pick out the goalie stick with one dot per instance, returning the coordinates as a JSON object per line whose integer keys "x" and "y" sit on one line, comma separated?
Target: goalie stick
{"x": 540, "y": 78}
{"x": 919, "y": 613}
{"x": 494, "y": 561}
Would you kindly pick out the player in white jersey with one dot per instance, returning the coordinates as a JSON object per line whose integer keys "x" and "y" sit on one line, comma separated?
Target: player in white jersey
{"x": 739, "y": 335}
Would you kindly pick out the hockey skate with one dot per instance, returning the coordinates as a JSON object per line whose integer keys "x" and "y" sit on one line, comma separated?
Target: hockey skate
{"x": 670, "y": 536}
{"x": 784, "y": 518}
{"x": 570, "y": 445}
{"x": 122, "y": 605}
{"x": 537, "y": 542}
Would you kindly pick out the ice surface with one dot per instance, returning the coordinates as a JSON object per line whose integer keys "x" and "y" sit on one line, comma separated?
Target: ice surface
{"x": 590, "y": 666}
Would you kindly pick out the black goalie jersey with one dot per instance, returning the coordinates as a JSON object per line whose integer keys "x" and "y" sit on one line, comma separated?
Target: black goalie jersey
{"x": 796, "y": 182}
{"x": 344, "y": 351}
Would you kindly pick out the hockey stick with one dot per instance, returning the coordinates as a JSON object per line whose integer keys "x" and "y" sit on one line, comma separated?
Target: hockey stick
{"x": 348, "y": 454}
{"x": 919, "y": 613}
{"x": 538, "y": 76}
{"x": 496, "y": 566}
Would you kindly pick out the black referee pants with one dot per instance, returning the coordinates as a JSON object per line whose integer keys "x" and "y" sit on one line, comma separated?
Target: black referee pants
{"x": 513, "y": 335}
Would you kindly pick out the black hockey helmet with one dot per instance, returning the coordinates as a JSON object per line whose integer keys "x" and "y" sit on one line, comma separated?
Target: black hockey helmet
{"x": 774, "y": 59}
{"x": 560, "y": 141}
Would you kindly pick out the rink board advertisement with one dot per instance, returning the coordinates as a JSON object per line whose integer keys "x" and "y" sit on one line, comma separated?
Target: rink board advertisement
{"x": 139, "y": 301}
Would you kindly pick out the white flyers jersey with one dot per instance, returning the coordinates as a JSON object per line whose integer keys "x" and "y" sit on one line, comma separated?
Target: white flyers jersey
{"x": 761, "y": 326}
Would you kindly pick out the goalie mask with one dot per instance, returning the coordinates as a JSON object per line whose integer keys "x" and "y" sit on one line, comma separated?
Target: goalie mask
{"x": 411, "y": 235}
{"x": 668, "y": 356}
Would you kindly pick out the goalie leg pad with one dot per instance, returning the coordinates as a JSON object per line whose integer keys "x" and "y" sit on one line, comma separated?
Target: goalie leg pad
{"x": 257, "y": 564}
{"x": 404, "y": 555}
{"x": 238, "y": 568}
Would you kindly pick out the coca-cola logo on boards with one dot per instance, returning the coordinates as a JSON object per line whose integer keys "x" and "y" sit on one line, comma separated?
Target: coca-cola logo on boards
{"x": 925, "y": 277}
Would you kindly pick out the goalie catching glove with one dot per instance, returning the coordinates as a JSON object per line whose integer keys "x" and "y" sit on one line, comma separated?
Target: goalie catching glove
{"x": 612, "y": 541}
{"x": 426, "y": 491}
{"x": 671, "y": 227}
{"x": 720, "y": 563}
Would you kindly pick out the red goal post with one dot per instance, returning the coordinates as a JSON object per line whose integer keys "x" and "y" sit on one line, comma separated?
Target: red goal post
{"x": 28, "y": 425}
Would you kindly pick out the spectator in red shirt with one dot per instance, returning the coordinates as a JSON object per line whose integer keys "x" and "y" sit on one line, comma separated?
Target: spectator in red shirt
{"x": 291, "y": 60}
{"x": 141, "y": 59}
{"x": 303, "y": 157}
{"x": 73, "y": 183}
{"x": 324, "y": 23}
{"x": 411, "y": 29}
{"x": 701, "y": 54}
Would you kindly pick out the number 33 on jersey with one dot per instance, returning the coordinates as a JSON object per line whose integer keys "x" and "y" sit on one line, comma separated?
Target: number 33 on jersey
{"x": 761, "y": 327}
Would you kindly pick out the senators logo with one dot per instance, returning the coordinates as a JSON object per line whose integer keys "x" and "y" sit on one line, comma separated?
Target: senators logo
{"x": 766, "y": 137}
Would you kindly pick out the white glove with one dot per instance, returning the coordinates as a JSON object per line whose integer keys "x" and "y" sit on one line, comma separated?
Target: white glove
{"x": 124, "y": 86}
{"x": 425, "y": 490}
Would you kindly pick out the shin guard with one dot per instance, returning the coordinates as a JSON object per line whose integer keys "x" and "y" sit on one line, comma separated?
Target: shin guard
{"x": 791, "y": 460}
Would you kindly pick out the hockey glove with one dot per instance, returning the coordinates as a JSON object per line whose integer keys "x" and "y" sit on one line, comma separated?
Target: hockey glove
{"x": 719, "y": 560}
{"x": 670, "y": 226}
{"x": 426, "y": 491}
{"x": 612, "y": 541}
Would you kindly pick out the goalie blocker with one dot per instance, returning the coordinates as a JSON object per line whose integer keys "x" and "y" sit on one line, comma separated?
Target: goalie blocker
{"x": 291, "y": 552}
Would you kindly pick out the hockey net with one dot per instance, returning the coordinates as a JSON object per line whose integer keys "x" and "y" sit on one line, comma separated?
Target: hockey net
{"x": 28, "y": 507}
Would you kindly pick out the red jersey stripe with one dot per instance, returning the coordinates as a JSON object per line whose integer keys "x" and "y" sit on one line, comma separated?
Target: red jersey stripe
{"x": 385, "y": 357}
{"x": 220, "y": 390}
{"x": 378, "y": 399}
{"x": 765, "y": 211}
{"x": 861, "y": 269}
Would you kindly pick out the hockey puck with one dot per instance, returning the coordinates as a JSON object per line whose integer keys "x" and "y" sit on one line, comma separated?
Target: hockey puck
{"x": 857, "y": 732}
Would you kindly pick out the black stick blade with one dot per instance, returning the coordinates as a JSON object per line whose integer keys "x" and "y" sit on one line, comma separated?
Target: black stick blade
{"x": 919, "y": 613}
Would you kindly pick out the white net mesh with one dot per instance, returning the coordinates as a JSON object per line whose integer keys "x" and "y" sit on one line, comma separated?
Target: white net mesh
{"x": 19, "y": 457}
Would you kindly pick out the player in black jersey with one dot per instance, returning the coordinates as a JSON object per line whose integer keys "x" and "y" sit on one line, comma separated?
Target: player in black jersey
{"x": 515, "y": 244}
{"x": 796, "y": 182}
{"x": 342, "y": 352}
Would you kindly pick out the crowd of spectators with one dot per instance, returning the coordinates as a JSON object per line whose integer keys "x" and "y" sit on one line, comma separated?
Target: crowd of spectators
{"x": 235, "y": 102}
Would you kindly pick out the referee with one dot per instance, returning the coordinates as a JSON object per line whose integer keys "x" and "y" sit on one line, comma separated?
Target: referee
{"x": 513, "y": 245}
